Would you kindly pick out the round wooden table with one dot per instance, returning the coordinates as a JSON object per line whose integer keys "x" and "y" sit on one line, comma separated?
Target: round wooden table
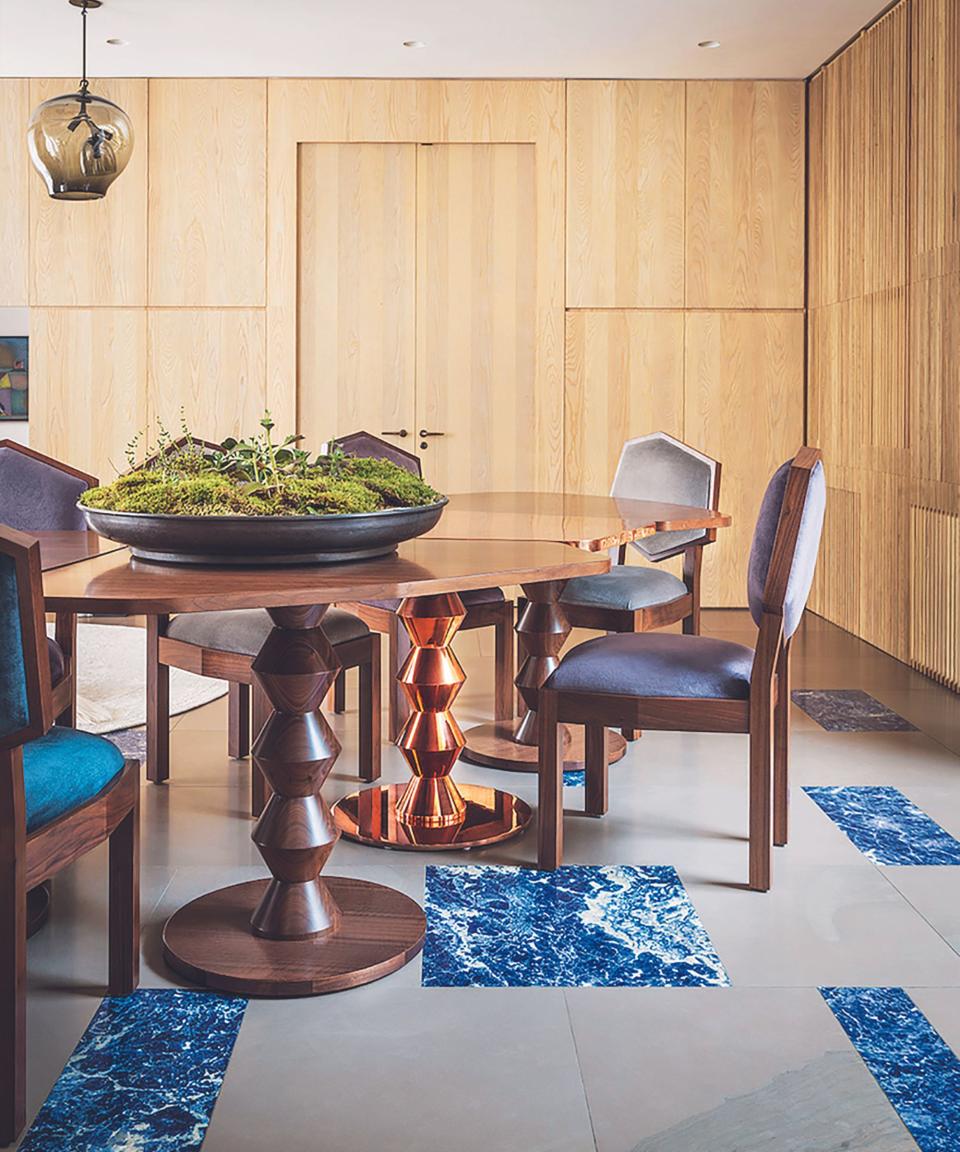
{"x": 298, "y": 933}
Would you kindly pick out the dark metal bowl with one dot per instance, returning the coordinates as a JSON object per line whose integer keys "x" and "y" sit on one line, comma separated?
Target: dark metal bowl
{"x": 263, "y": 540}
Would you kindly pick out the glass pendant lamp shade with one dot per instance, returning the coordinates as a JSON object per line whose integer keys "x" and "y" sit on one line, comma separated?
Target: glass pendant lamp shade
{"x": 79, "y": 144}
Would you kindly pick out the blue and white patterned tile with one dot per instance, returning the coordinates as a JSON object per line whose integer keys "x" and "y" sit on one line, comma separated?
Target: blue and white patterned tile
{"x": 145, "y": 1076}
{"x": 575, "y": 778}
{"x": 886, "y": 826}
{"x": 848, "y": 710}
{"x": 908, "y": 1058}
{"x": 579, "y": 926}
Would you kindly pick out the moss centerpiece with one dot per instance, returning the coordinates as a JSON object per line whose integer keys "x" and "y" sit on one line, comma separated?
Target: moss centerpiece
{"x": 257, "y": 501}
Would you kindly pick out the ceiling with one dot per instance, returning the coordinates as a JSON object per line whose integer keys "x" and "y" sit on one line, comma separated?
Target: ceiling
{"x": 561, "y": 38}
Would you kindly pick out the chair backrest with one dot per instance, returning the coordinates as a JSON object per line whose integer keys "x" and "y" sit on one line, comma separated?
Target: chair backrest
{"x": 658, "y": 467}
{"x": 38, "y": 493}
{"x": 25, "y": 695}
{"x": 786, "y": 540}
{"x": 366, "y": 444}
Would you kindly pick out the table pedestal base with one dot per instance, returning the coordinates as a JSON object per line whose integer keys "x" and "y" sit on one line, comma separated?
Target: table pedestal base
{"x": 495, "y": 746}
{"x": 209, "y": 941}
{"x": 370, "y": 816}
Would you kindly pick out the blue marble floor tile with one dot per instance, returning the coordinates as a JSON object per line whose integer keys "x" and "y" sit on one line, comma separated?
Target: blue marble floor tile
{"x": 886, "y": 826}
{"x": 848, "y": 710}
{"x": 613, "y": 926}
{"x": 144, "y": 1077}
{"x": 575, "y": 778}
{"x": 908, "y": 1059}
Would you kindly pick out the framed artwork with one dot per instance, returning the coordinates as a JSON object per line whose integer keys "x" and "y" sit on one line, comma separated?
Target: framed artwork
{"x": 14, "y": 392}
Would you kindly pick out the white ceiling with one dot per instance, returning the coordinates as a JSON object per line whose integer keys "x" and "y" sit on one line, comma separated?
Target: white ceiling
{"x": 562, "y": 38}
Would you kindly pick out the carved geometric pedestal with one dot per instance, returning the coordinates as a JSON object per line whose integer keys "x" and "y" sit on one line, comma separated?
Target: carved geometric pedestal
{"x": 542, "y": 630}
{"x": 295, "y": 934}
{"x": 431, "y": 811}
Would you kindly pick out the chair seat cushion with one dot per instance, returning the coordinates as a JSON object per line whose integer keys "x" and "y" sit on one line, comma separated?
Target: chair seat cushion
{"x": 243, "y": 630}
{"x": 58, "y": 663}
{"x": 627, "y": 587}
{"x": 470, "y": 599}
{"x": 63, "y": 770}
{"x": 657, "y": 664}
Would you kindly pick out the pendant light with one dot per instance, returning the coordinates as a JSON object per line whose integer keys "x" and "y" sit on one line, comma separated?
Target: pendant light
{"x": 80, "y": 143}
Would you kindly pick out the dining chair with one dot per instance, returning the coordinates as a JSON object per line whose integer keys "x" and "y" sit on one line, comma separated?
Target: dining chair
{"x": 62, "y": 793}
{"x": 635, "y": 598}
{"x": 485, "y": 608}
{"x": 686, "y": 683}
{"x": 223, "y": 645}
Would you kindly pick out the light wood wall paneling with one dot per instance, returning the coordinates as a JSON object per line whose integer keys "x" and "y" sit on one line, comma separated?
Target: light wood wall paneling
{"x": 745, "y": 194}
{"x": 476, "y": 318}
{"x": 935, "y": 594}
{"x": 211, "y": 364}
{"x": 88, "y": 394}
{"x": 358, "y": 279}
{"x": 624, "y": 378}
{"x": 836, "y": 591}
{"x": 934, "y": 351}
{"x": 935, "y": 138}
{"x": 208, "y": 158}
{"x": 835, "y": 408}
{"x": 422, "y": 111}
{"x": 16, "y": 172}
{"x": 94, "y": 252}
{"x": 625, "y": 193}
{"x": 743, "y": 404}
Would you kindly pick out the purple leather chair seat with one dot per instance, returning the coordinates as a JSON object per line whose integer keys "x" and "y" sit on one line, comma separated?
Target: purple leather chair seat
{"x": 470, "y": 599}
{"x": 657, "y": 664}
{"x": 58, "y": 663}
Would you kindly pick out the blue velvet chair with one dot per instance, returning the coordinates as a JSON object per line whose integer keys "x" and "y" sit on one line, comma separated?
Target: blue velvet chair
{"x": 62, "y": 793}
{"x": 696, "y": 683}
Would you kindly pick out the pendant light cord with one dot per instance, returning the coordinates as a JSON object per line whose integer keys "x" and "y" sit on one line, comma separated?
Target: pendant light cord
{"x": 84, "y": 83}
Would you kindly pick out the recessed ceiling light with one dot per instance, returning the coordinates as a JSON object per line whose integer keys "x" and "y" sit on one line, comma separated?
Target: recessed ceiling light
{"x": 414, "y": 43}
{"x": 117, "y": 42}
{"x": 708, "y": 44}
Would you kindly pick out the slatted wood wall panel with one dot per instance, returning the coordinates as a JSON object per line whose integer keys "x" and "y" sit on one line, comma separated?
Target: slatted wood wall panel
{"x": 884, "y": 330}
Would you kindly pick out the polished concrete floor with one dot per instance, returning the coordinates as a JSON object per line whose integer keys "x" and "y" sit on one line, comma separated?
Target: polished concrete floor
{"x": 762, "y": 1064}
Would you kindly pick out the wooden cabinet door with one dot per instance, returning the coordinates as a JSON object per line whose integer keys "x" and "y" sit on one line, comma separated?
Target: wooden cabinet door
{"x": 357, "y": 290}
{"x": 476, "y": 317}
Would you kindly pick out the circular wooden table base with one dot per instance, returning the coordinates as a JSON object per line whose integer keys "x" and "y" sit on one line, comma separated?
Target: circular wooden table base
{"x": 209, "y": 941}
{"x": 370, "y": 817}
{"x": 494, "y": 746}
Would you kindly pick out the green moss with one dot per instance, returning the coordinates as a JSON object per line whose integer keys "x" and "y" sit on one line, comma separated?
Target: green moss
{"x": 349, "y": 485}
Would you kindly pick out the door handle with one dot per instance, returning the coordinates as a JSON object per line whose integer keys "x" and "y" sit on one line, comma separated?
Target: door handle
{"x": 401, "y": 433}
{"x": 424, "y": 432}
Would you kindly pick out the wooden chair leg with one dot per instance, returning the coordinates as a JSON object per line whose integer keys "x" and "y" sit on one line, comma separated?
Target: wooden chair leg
{"x": 692, "y": 563}
{"x": 370, "y": 713}
{"x": 781, "y": 749}
{"x": 125, "y": 900}
{"x": 260, "y": 790}
{"x": 595, "y": 764}
{"x": 65, "y": 634}
{"x": 550, "y": 823}
{"x": 340, "y": 692}
{"x": 158, "y": 703}
{"x": 238, "y": 721}
{"x": 761, "y": 747}
{"x": 13, "y": 949}
{"x": 503, "y": 692}
{"x": 398, "y": 643}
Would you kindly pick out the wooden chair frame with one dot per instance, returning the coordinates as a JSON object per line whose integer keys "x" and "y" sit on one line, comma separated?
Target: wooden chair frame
{"x": 29, "y": 860}
{"x": 165, "y": 652}
{"x": 765, "y": 716}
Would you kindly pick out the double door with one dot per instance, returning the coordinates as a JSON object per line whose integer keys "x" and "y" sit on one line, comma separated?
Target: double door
{"x": 417, "y": 304}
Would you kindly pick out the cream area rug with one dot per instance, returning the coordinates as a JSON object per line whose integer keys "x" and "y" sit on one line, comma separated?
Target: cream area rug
{"x": 112, "y": 679}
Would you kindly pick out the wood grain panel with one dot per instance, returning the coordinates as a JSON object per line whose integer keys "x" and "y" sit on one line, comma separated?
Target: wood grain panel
{"x": 208, "y": 159}
{"x": 16, "y": 169}
{"x": 743, "y": 404}
{"x": 94, "y": 252}
{"x": 211, "y": 365}
{"x": 836, "y": 591}
{"x": 625, "y": 189}
{"x": 934, "y": 349}
{"x": 835, "y": 407}
{"x": 624, "y": 378}
{"x": 91, "y": 367}
{"x": 935, "y": 594}
{"x": 357, "y": 289}
{"x": 935, "y": 138}
{"x": 477, "y": 318}
{"x": 744, "y": 194}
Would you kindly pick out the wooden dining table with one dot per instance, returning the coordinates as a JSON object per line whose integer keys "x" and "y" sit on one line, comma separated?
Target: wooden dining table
{"x": 297, "y": 932}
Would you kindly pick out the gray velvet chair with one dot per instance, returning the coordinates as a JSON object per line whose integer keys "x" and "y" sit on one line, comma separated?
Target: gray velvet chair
{"x": 698, "y": 683}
